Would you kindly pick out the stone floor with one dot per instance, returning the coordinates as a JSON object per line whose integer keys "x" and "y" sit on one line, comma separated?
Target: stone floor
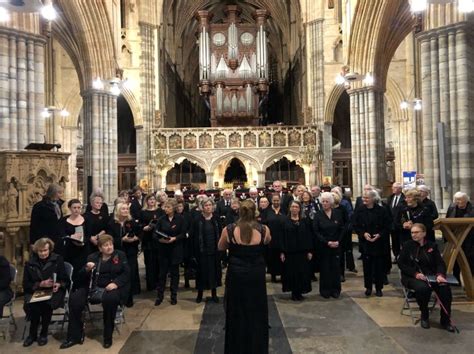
{"x": 351, "y": 324}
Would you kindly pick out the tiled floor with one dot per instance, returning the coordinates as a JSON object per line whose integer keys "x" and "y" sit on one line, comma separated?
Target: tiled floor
{"x": 351, "y": 324}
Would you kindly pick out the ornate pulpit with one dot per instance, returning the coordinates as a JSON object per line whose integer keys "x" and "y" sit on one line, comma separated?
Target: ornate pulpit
{"x": 456, "y": 230}
{"x": 233, "y": 66}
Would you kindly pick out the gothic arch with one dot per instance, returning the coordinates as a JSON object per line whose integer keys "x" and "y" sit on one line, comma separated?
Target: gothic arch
{"x": 290, "y": 155}
{"x": 378, "y": 28}
{"x": 180, "y": 157}
{"x": 395, "y": 96}
{"x": 134, "y": 106}
{"x": 332, "y": 103}
{"x": 235, "y": 154}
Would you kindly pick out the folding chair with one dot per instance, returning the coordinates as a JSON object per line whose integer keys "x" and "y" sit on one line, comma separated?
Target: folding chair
{"x": 410, "y": 304}
{"x": 62, "y": 315}
{"x": 9, "y": 305}
{"x": 119, "y": 316}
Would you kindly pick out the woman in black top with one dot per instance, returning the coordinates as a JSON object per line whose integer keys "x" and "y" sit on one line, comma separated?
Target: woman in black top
{"x": 430, "y": 206}
{"x": 97, "y": 219}
{"x": 109, "y": 270}
{"x": 246, "y": 310}
{"x": 372, "y": 225}
{"x": 124, "y": 230}
{"x": 169, "y": 233}
{"x": 149, "y": 216}
{"x": 205, "y": 235}
{"x": 329, "y": 227}
{"x": 411, "y": 213}
{"x": 189, "y": 261}
{"x": 275, "y": 220}
{"x": 418, "y": 259}
{"x": 233, "y": 214}
{"x": 44, "y": 271}
{"x": 6, "y": 292}
{"x": 296, "y": 255}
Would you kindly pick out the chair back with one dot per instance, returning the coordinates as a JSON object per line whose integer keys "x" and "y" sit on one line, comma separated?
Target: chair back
{"x": 13, "y": 273}
{"x": 69, "y": 270}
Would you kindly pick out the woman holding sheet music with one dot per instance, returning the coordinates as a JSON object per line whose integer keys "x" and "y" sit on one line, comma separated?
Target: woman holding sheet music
{"x": 76, "y": 247}
{"x": 44, "y": 283}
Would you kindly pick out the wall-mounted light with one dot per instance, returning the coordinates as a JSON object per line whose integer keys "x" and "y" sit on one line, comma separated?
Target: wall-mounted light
{"x": 4, "y": 15}
{"x": 114, "y": 85}
{"x": 464, "y": 6}
{"x": 417, "y": 104}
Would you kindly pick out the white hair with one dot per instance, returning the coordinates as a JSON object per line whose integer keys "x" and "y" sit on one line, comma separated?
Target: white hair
{"x": 178, "y": 192}
{"x": 253, "y": 190}
{"x": 460, "y": 195}
{"x": 397, "y": 185}
{"x": 328, "y": 196}
{"x": 424, "y": 188}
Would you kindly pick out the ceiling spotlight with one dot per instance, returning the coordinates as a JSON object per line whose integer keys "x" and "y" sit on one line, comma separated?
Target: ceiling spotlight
{"x": 404, "y": 105}
{"x": 49, "y": 12}
{"x": 419, "y": 5}
{"x": 115, "y": 89}
{"x": 64, "y": 113}
{"x": 4, "y": 15}
{"x": 466, "y": 6}
{"x": 98, "y": 84}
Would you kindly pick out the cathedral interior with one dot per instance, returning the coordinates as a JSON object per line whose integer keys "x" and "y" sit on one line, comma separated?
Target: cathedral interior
{"x": 212, "y": 94}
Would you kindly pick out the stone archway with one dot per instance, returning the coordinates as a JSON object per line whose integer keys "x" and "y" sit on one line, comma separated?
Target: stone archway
{"x": 235, "y": 172}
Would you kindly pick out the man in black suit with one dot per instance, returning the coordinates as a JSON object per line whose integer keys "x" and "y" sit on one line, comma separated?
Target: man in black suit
{"x": 315, "y": 192}
{"x": 136, "y": 204}
{"x": 395, "y": 203}
{"x": 223, "y": 205}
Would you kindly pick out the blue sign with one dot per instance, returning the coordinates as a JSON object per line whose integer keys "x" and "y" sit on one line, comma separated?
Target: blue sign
{"x": 409, "y": 179}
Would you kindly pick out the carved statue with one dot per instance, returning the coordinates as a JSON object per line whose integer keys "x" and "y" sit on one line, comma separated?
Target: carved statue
{"x": 12, "y": 201}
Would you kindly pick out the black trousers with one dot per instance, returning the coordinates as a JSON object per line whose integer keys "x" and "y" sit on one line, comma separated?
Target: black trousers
{"x": 329, "y": 274}
{"x": 132, "y": 258}
{"x": 152, "y": 268}
{"x": 167, "y": 266}
{"x": 423, "y": 295}
{"x": 5, "y": 297}
{"x": 396, "y": 245}
{"x": 374, "y": 271}
{"x": 77, "y": 304}
{"x": 39, "y": 312}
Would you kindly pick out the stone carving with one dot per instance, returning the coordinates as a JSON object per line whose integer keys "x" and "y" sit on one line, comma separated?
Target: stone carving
{"x": 190, "y": 141}
{"x": 175, "y": 142}
{"x": 309, "y": 138}
{"x": 234, "y": 140}
{"x": 12, "y": 201}
{"x": 160, "y": 141}
{"x": 294, "y": 138}
{"x": 264, "y": 139}
{"x": 279, "y": 139}
{"x": 250, "y": 140}
{"x": 220, "y": 141}
{"x": 205, "y": 141}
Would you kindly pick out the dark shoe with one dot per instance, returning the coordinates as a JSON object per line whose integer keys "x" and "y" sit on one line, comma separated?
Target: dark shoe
{"x": 379, "y": 293}
{"x": 368, "y": 292}
{"x": 294, "y": 297}
{"x": 42, "y": 341}
{"x": 158, "y": 301}
{"x": 300, "y": 297}
{"x": 107, "y": 343}
{"x": 186, "y": 284}
{"x": 336, "y": 294}
{"x": 199, "y": 299}
{"x": 215, "y": 299}
{"x": 129, "y": 304}
{"x": 343, "y": 278}
{"x": 174, "y": 301}
{"x": 68, "y": 344}
{"x": 448, "y": 327}
{"x": 326, "y": 296}
{"x": 425, "y": 323}
{"x": 29, "y": 341}
{"x": 353, "y": 270}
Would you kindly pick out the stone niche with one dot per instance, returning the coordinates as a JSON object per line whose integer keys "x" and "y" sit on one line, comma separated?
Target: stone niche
{"x": 24, "y": 178}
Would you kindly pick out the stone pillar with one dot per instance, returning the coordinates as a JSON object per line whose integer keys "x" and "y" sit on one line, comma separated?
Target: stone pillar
{"x": 447, "y": 90}
{"x": 21, "y": 88}
{"x": 367, "y": 138}
{"x": 210, "y": 180}
{"x": 261, "y": 179}
{"x": 147, "y": 79}
{"x": 100, "y": 143}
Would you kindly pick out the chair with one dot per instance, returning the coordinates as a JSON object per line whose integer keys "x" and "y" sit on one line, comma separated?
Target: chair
{"x": 62, "y": 314}
{"x": 410, "y": 303}
{"x": 9, "y": 305}
{"x": 119, "y": 316}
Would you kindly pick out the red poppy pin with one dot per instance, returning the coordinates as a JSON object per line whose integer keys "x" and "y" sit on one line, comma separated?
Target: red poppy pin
{"x": 116, "y": 260}
{"x": 173, "y": 226}
{"x": 430, "y": 250}
{"x": 128, "y": 225}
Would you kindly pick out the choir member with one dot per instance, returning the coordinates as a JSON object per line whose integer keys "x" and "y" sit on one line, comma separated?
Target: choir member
{"x": 395, "y": 202}
{"x": 275, "y": 220}
{"x": 430, "y": 206}
{"x": 136, "y": 202}
{"x": 233, "y": 214}
{"x": 97, "y": 219}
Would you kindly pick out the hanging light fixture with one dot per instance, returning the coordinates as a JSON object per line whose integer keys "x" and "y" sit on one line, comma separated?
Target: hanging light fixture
{"x": 464, "y": 6}
{"x": 4, "y": 15}
{"x": 49, "y": 12}
{"x": 418, "y": 104}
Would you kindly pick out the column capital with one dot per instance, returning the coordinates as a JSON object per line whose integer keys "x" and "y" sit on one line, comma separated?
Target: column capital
{"x": 89, "y": 92}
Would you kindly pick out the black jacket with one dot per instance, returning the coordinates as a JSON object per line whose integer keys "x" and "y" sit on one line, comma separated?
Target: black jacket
{"x": 418, "y": 214}
{"x": 452, "y": 209}
{"x": 35, "y": 272}
{"x": 222, "y": 209}
{"x": 136, "y": 207}
{"x": 394, "y": 212}
{"x": 5, "y": 278}
{"x": 425, "y": 259}
{"x": 117, "y": 231}
{"x": 372, "y": 221}
{"x": 45, "y": 223}
{"x": 327, "y": 229}
{"x": 298, "y": 237}
{"x": 119, "y": 272}
{"x": 173, "y": 228}
{"x": 198, "y": 238}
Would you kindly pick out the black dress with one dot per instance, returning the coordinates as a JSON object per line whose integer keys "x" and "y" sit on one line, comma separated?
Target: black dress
{"x": 95, "y": 223}
{"x": 275, "y": 222}
{"x": 297, "y": 243}
{"x": 417, "y": 214}
{"x": 149, "y": 248}
{"x": 73, "y": 252}
{"x": 45, "y": 222}
{"x": 205, "y": 235}
{"x": 329, "y": 229}
{"x": 246, "y": 330}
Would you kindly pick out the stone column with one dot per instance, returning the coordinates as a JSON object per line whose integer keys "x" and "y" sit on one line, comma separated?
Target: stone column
{"x": 261, "y": 179}
{"x": 100, "y": 143}
{"x": 367, "y": 138}
{"x": 147, "y": 79}
{"x": 447, "y": 90}
{"x": 210, "y": 180}
{"x": 21, "y": 88}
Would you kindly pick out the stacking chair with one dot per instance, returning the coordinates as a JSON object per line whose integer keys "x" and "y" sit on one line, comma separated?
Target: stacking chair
{"x": 92, "y": 310}
{"x": 410, "y": 306}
